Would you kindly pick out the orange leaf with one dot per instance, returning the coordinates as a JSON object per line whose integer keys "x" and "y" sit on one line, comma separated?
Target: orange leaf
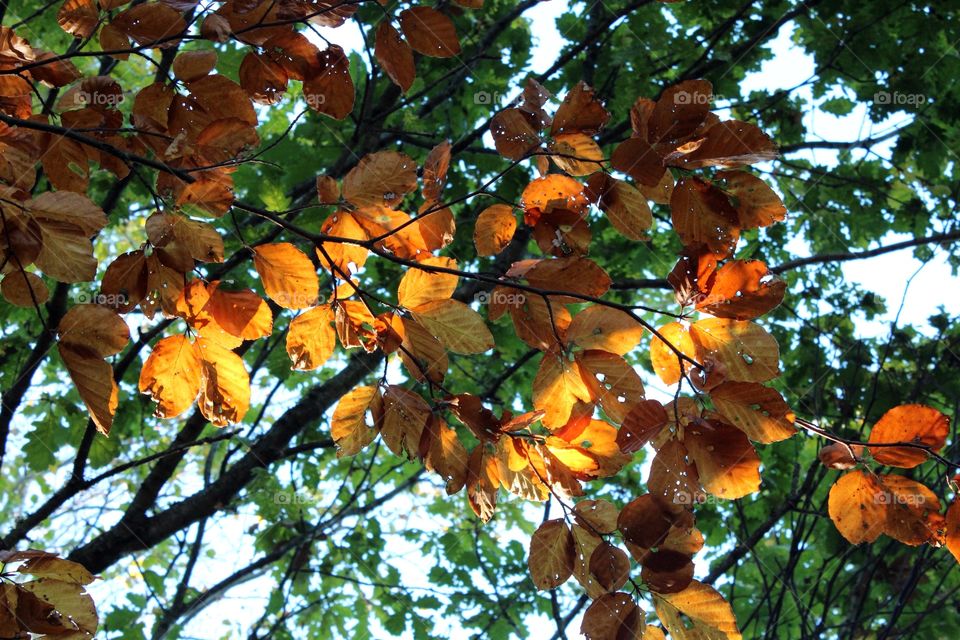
{"x": 171, "y": 376}
{"x": 726, "y": 462}
{"x": 604, "y": 328}
{"x": 288, "y": 276}
{"x": 494, "y": 229}
{"x": 557, "y": 387}
{"x": 858, "y": 507}
{"x": 349, "y": 427}
{"x": 666, "y": 363}
{"x": 742, "y": 290}
{"x": 953, "y": 529}
{"x": 311, "y": 338}
{"x": 745, "y": 350}
{"x": 224, "y": 385}
{"x": 909, "y": 423}
{"x": 420, "y": 286}
{"x": 758, "y": 411}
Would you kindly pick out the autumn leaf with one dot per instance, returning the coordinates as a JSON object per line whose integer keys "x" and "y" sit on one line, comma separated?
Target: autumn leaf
{"x": 171, "y": 376}
{"x": 311, "y": 338}
{"x": 551, "y": 555}
{"x": 710, "y": 614}
{"x": 349, "y": 426}
{"x": 288, "y": 276}
{"x": 909, "y": 423}
{"x": 459, "y": 328}
{"x": 494, "y": 229}
{"x": 429, "y": 32}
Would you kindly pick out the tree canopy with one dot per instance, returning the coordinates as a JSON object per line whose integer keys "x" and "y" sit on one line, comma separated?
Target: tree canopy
{"x": 463, "y": 328}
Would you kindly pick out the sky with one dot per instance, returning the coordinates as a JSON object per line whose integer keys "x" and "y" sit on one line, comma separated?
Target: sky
{"x": 888, "y": 275}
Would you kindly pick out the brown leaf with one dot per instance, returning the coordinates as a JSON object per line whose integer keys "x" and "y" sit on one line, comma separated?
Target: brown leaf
{"x": 640, "y": 160}
{"x": 152, "y": 24}
{"x": 596, "y": 515}
{"x": 667, "y": 571}
{"x": 580, "y": 112}
{"x": 613, "y": 616}
{"x": 702, "y": 214}
{"x": 625, "y": 206}
{"x": 24, "y": 289}
{"x": 643, "y": 422}
{"x": 429, "y": 32}
{"x": 380, "y": 179}
{"x": 395, "y": 56}
{"x": 193, "y": 65}
{"x": 330, "y": 90}
{"x": 727, "y": 144}
{"x": 610, "y": 566}
{"x": 551, "y": 555}
{"x": 483, "y": 482}
{"x": 515, "y": 133}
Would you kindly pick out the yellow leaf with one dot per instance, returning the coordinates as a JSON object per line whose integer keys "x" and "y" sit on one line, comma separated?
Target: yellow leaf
{"x": 224, "y": 385}
{"x": 288, "y": 276}
{"x": 420, "y": 286}
{"x": 558, "y": 386}
{"x": 745, "y": 350}
{"x": 311, "y": 338}
{"x": 171, "y": 376}
{"x": 459, "y": 328}
{"x": 604, "y": 328}
{"x": 349, "y": 427}
{"x": 711, "y": 615}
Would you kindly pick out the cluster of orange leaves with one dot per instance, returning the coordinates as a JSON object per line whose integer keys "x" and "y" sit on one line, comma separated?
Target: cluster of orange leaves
{"x": 864, "y": 504}
{"x": 204, "y": 124}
